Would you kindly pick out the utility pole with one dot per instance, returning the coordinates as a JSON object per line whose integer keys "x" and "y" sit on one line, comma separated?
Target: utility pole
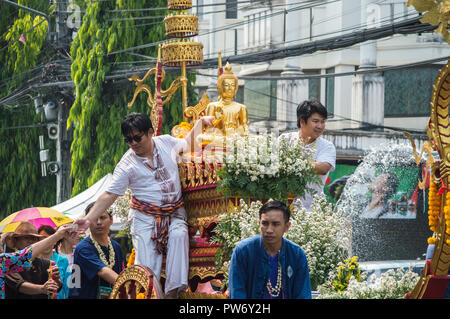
{"x": 64, "y": 137}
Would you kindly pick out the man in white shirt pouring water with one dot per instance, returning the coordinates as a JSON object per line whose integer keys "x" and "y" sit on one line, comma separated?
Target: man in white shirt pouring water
{"x": 311, "y": 117}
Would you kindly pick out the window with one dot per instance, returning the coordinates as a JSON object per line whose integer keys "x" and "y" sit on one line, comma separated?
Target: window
{"x": 313, "y": 85}
{"x": 232, "y": 6}
{"x": 231, "y": 12}
{"x": 260, "y": 97}
{"x": 199, "y": 9}
{"x": 407, "y": 92}
{"x": 329, "y": 96}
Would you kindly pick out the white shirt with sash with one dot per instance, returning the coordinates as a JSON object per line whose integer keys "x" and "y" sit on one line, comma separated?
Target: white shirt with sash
{"x": 133, "y": 173}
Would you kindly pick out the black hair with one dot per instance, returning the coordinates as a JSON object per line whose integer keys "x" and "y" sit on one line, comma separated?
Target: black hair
{"x": 47, "y": 228}
{"x": 50, "y": 230}
{"x": 308, "y": 108}
{"x": 88, "y": 208}
{"x": 136, "y": 121}
{"x": 276, "y": 205}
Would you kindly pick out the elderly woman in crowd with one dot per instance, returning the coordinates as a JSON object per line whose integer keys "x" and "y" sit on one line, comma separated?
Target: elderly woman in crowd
{"x": 20, "y": 260}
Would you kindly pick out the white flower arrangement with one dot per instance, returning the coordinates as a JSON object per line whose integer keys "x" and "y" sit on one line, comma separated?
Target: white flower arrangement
{"x": 263, "y": 166}
{"x": 121, "y": 208}
{"x": 392, "y": 284}
{"x": 322, "y": 234}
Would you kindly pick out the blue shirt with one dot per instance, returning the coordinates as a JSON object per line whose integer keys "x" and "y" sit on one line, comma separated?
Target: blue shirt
{"x": 64, "y": 272}
{"x": 250, "y": 269}
{"x": 87, "y": 263}
{"x": 273, "y": 262}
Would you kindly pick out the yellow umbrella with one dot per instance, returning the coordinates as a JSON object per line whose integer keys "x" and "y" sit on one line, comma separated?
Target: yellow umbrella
{"x": 38, "y": 216}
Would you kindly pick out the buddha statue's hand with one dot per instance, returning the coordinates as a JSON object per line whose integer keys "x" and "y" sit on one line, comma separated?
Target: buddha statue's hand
{"x": 208, "y": 121}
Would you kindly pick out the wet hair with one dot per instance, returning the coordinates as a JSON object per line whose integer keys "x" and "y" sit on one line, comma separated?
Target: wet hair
{"x": 136, "y": 121}
{"x": 308, "y": 108}
{"x": 88, "y": 209}
{"x": 276, "y": 205}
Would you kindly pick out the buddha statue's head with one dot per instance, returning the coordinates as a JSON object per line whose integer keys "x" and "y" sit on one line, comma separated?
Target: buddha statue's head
{"x": 227, "y": 83}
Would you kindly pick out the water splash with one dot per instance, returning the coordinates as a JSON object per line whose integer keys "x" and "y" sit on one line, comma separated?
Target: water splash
{"x": 379, "y": 209}
{"x": 361, "y": 187}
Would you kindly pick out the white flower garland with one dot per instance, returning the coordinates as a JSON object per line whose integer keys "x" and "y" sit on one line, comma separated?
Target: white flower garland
{"x": 112, "y": 255}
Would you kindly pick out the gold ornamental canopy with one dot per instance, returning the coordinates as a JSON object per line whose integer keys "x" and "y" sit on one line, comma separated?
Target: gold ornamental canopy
{"x": 181, "y": 25}
{"x": 181, "y": 52}
{"x": 179, "y": 4}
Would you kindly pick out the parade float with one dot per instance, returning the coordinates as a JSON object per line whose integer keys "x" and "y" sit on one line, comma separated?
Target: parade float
{"x": 216, "y": 194}
{"x": 210, "y": 188}
{"x": 435, "y": 276}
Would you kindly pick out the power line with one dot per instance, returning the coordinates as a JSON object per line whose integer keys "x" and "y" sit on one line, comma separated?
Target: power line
{"x": 407, "y": 26}
{"x": 355, "y": 27}
{"x": 365, "y": 125}
{"x": 332, "y": 75}
{"x": 22, "y": 127}
{"x": 404, "y": 27}
{"x": 148, "y": 45}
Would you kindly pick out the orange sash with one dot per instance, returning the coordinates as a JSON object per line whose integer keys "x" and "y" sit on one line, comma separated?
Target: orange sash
{"x": 162, "y": 216}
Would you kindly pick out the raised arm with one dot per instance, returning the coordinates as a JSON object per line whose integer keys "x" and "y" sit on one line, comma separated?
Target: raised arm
{"x": 50, "y": 241}
{"x": 101, "y": 204}
{"x": 197, "y": 129}
{"x": 321, "y": 168}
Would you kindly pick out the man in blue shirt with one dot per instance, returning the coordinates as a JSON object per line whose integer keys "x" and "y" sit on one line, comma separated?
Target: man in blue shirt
{"x": 268, "y": 265}
{"x": 97, "y": 261}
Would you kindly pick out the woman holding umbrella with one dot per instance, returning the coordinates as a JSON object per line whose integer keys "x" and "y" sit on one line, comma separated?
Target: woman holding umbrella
{"x": 21, "y": 260}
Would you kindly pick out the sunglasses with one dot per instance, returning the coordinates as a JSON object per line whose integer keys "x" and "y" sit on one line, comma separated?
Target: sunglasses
{"x": 136, "y": 138}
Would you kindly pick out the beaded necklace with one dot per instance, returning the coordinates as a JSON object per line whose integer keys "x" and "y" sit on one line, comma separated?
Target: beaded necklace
{"x": 274, "y": 292}
{"x": 112, "y": 256}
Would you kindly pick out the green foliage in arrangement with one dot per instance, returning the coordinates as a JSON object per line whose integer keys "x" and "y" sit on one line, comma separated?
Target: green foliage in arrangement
{"x": 100, "y": 105}
{"x": 262, "y": 166}
{"x": 21, "y": 183}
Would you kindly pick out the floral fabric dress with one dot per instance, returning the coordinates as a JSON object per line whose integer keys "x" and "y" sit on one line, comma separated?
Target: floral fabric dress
{"x": 13, "y": 262}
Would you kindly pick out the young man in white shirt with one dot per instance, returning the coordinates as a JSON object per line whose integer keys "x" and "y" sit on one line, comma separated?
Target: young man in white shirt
{"x": 158, "y": 219}
{"x": 311, "y": 117}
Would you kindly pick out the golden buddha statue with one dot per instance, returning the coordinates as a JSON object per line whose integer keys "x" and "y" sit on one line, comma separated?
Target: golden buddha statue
{"x": 231, "y": 116}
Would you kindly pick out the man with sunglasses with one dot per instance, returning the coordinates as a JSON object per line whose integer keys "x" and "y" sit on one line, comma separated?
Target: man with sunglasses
{"x": 158, "y": 219}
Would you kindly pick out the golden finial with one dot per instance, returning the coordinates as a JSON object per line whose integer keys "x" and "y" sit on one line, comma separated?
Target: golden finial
{"x": 219, "y": 70}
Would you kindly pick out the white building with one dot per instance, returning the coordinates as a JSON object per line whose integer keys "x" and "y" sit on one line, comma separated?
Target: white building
{"x": 396, "y": 98}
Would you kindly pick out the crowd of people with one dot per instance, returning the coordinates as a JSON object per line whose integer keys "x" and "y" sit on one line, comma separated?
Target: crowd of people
{"x": 50, "y": 263}
{"x": 71, "y": 267}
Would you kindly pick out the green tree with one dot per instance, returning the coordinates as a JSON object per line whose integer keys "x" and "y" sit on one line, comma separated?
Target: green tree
{"x": 100, "y": 105}
{"x": 21, "y": 183}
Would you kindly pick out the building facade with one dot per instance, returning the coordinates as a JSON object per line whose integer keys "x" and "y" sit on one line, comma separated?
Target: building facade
{"x": 395, "y": 99}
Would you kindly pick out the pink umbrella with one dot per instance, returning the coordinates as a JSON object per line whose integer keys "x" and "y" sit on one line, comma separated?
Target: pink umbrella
{"x": 38, "y": 216}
